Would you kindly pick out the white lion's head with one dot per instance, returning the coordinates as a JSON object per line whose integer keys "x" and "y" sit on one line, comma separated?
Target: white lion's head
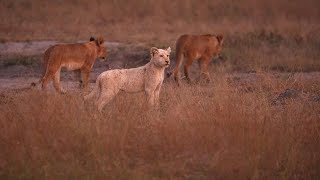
{"x": 160, "y": 57}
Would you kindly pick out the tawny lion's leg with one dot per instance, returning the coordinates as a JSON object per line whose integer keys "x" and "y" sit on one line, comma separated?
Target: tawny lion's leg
{"x": 187, "y": 68}
{"x": 199, "y": 77}
{"x": 78, "y": 74}
{"x": 85, "y": 78}
{"x": 49, "y": 75}
{"x": 204, "y": 69}
{"x": 56, "y": 82}
{"x": 45, "y": 80}
{"x": 179, "y": 60}
{"x": 176, "y": 73}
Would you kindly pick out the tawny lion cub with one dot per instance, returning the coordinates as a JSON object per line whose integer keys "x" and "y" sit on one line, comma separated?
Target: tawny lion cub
{"x": 80, "y": 56}
{"x": 147, "y": 78}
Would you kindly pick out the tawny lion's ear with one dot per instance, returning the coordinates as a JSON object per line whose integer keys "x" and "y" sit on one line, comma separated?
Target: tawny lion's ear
{"x": 92, "y": 39}
{"x": 153, "y": 51}
{"x": 220, "y": 38}
{"x": 169, "y": 50}
{"x": 100, "y": 41}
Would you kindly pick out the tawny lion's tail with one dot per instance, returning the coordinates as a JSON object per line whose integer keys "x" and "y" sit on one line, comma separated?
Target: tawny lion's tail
{"x": 44, "y": 67}
{"x": 169, "y": 73}
{"x": 94, "y": 92}
{"x": 220, "y": 39}
{"x": 34, "y": 84}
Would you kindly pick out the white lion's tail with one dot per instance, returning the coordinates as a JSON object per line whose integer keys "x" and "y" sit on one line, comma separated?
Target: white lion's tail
{"x": 95, "y": 91}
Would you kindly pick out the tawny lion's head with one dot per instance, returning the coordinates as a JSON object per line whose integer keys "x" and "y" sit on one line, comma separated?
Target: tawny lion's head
{"x": 102, "y": 49}
{"x": 220, "y": 39}
{"x": 219, "y": 46}
{"x": 160, "y": 57}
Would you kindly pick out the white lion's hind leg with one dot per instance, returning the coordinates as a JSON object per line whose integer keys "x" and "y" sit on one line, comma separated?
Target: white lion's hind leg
{"x": 89, "y": 96}
{"x": 95, "y": 92}
{"x": 105, "y": 98}
{"x": 92, "y": 93}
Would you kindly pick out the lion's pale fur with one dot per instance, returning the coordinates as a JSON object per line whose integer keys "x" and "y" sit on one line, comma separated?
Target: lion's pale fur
{"x": 196, "y": 47}
{"x": 147, "y": 78}
{"x": 72, "y": 57}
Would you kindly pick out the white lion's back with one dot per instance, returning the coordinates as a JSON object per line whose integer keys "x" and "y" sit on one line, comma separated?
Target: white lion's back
{"x": 129, "y": 80}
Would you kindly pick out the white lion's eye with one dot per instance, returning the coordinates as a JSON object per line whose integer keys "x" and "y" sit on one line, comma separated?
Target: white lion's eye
{"x": 161, "y": 55}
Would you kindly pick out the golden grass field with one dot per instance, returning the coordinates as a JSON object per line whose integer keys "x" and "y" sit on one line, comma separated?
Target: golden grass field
{"x": 258, "y": 118}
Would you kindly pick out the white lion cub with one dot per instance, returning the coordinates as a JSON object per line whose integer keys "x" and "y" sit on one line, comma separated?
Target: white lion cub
{"x": 147, "y": 78}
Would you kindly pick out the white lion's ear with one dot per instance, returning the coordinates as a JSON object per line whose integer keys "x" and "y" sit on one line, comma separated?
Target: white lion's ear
{"x": 169, "y": 50}
{"x": 153, "y": 51}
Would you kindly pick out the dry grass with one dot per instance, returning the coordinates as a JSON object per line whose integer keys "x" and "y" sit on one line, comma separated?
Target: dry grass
{"x": 216, "y": 131}
{"x": 146, "y": 20}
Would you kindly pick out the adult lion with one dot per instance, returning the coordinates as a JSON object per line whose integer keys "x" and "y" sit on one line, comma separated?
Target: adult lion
{"x": 196, "y": 47}
{"x": 147, "y": 78}
{"x": 72, "y": 57}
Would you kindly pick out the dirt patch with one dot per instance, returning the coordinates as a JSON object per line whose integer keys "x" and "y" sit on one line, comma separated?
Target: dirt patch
{"x": 32, "y": 48}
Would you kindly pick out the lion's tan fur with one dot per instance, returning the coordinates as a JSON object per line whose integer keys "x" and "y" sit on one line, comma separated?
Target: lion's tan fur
{"x": 72, "y": 57}
{"x": 147, "y": 78}
{"x": 196, "y": 47}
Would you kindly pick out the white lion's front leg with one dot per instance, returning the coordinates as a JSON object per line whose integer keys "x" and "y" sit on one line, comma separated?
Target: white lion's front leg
{"x": 150, "y": 97}
{"x": 156, "y": 98}
{"x": 150, "y": 89}
{"x": 157, "y": 94}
